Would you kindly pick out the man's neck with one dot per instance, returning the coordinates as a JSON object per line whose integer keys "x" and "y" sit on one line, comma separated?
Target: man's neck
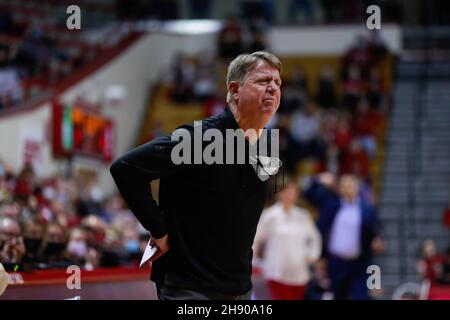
{"x": 350, "y": 200}
{"x": 251, "y": 127}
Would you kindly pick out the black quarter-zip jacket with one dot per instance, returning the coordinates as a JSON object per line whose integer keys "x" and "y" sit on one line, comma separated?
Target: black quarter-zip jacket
{"x": 209, "y": 211}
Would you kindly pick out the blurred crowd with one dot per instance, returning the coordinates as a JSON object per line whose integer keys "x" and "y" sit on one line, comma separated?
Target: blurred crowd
{"x": 57, "y": 222}
{"x": 37, "y": 50}
{"x": 30, "y": 54}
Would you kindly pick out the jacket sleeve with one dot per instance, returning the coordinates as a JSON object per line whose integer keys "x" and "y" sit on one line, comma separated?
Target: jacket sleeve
{"x": 324, "y": 200}
{"x": 317, "y": 194}
{"x": 133, "y": 173}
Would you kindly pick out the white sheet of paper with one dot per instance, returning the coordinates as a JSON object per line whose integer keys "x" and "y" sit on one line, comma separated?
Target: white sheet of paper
{"x": 148, "y": 253}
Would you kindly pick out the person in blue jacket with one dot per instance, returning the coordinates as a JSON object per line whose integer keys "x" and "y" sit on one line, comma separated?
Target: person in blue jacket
{"x": 349, "y": 229}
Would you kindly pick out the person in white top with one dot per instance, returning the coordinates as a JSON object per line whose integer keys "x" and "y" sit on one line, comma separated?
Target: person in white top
{"x": 289, "y": 242}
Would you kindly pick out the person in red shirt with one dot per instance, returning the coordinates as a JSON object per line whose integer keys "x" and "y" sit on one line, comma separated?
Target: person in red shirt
{"x": 356, "y": 161}
{"x": 430, "y": 265}
{"x": 24, "y": 183}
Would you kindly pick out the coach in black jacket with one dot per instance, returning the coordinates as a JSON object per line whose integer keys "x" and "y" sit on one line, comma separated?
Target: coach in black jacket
{"x": 206, "y": 218}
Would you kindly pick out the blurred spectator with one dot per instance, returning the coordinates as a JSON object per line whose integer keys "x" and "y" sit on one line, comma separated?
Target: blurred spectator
{"x": 258, "y": 24}
{"x": 30, "y": 210}
{"x": 257, "y": 29}
{"x": 53, "y": 249}
{"x": 353, "y": 88}
{"x": 377, "y": 47}
{"x": 350, "y": 233}
{"x": 33, "y": 238}
{"x": 24, "y": 183}
{"x": 293, "y": 100}
{"x": 258, "y": 42}
{"x": 6, "y": 190}
{"x": 77, "y": 247}
{"x": 331, "y": 161}
{"x": 356, "y": 161}
{"x": 11, "y": 210}
{"x": 305, "y": 135}
{"x": 213, "y": 106}
{"x": 298, "y": 80}
{"x": 375, "y": 89}
{"x": 230, "y": 39}
{"x": 132, "y": 245}
{"x": 319, "y": 287}
{"x": 94, "y": 228}
{"x": 89, "y": 200}
{"x": 365, "y": 124}
{"x": 326, "y": 92}
{"x": 12, "y": 248}
{"x": 343, "y": 135}
{"x": 430, "y": 265}
{"x": 289, "y": 243}
{"x": 359, "y": 55}
{"x": 112, "y": 251}
{"x": 11, "y": 92}
{"x": 181, "y": 79}
{"x": 205, "y": 85}
{"x": 120, "y": 217}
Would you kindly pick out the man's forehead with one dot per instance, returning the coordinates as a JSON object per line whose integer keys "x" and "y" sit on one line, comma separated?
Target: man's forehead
{"x": 263, "y": 67}
{"x": 348, "y": 180}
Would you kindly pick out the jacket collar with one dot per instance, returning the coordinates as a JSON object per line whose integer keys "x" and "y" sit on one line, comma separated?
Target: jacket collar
{"x": 228, "y": 119}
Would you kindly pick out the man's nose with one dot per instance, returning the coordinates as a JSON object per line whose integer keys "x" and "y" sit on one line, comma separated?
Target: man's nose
{"x": 272, "y": 87}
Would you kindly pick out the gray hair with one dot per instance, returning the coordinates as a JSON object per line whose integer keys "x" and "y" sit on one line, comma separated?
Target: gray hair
{"x": 244, "y": 63}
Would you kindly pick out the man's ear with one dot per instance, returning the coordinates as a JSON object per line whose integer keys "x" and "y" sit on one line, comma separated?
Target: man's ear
{"x": 233, "y": 87}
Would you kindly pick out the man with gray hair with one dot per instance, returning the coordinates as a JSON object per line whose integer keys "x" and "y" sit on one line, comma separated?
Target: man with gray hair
{"x": 205, "y": 222}
{"x": 12, "y": 248}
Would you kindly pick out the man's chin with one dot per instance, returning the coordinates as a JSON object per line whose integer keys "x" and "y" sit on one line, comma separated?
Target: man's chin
{"x": 268, "y": 110}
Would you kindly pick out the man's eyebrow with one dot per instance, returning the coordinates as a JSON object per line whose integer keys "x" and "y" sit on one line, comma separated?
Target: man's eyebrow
{"x": 266, "y": 76}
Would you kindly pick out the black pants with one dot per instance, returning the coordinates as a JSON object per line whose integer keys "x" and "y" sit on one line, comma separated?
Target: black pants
{"x": 172, "y": 291}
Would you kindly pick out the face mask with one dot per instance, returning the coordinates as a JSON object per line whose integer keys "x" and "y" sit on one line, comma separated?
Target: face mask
{"x": 132, "y": 246}
{"x": 32, "y": 245}
{"x": 96, "y": 195}
{"x": 77, "y": 248}
{"x": 54, "y": 248}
